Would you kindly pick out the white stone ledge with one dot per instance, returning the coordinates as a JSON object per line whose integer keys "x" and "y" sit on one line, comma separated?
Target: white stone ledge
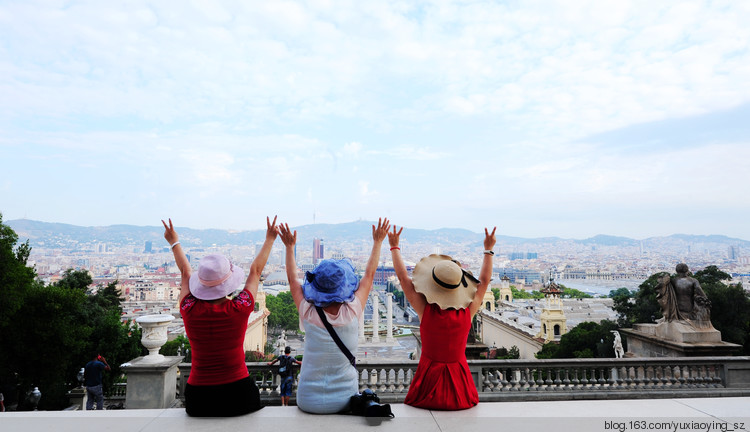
{"x": 507, "y": 416}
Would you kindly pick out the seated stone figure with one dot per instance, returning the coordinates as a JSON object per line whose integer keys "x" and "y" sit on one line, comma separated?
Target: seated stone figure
{"x": 682, "y": 299}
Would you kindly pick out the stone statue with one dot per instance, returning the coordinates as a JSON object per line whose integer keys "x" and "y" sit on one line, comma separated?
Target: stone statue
{"x": 682, "y": 299}
{"x": 281, "y": 343}
{"x": 617, "y": 344}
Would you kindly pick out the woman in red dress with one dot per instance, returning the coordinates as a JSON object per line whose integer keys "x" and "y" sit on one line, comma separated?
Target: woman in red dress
{"x": 446, "y": 297}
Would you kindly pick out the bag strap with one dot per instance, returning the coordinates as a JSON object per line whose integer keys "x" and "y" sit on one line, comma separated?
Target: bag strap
{"x": 335, "y": 337}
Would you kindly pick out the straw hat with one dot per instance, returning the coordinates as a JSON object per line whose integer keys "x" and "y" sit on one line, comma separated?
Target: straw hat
{"x": 216, "y": 278}
{"x": 443, "y": 282}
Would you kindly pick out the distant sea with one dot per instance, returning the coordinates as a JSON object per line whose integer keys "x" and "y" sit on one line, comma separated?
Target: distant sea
{"x": 600, "y": 287}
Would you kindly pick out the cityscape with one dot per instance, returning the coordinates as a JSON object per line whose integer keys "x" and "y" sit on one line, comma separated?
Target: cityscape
{"x": 148, "y": 278}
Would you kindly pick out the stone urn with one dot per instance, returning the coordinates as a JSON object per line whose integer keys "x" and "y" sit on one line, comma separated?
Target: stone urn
{"x": 154, "y": 335}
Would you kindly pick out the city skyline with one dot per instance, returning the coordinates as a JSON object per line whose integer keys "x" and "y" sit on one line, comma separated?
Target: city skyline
{"x": 543, "y": 119}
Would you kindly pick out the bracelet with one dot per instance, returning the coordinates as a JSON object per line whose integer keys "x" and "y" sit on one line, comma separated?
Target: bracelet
{"x": 174, "y": 244}
{"x": 489, "y": 252}
{"x": 395, "y": 247}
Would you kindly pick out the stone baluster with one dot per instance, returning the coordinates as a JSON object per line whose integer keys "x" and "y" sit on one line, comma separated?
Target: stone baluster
{"x": 602, "y": 378}
{"x": 522, "y": 382}
{"x": 505, "y": 384}
{"x": 576, "y": 381}
{"x": 548, "y": 381}
{"x": 717, "y": 380}
{"x": 558, "y": 381}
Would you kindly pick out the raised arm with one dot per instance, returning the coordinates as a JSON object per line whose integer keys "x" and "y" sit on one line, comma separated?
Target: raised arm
{"x": 485, "y": 274}
{"x": 415, "y": 299}
{"x": 289, "y": 239}
{"x": 379, "y": 234}
{"x": 256, "y": 268}
{"x": 170, "y": 235}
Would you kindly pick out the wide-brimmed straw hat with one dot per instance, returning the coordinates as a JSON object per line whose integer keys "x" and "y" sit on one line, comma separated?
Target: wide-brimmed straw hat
{"x": 332, "y": 281}
{"x": 443, "y": 282}
{"x": 216, "y": 277}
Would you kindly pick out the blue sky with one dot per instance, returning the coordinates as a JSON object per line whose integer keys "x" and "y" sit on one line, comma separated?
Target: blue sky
{"x": 570, "y": 118}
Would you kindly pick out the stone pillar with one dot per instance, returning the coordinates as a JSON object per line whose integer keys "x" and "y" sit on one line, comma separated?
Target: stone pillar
{"x": 389, "y": 319}
{"x": 362, "y": 338}
{"x": 151, "y": 385}
{"x": 375, "y": 318}
{"x": 78, "y": 397}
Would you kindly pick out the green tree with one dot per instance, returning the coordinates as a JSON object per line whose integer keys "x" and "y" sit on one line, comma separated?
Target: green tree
{"x": 586, "y": 340}
{"x": 523, "y": 294}
{"x": 16, "y": 279}
{"x": 730, "y": 306}
{"x": 178, "y": 346}
{"x": 496, "y": 293}
{"x": 284, "y": 313}
{"x": 638, "y": 307}
{"x": 573, "y": 293}
{"x": 47, "y": 333}
{"x": 75, "y": 279}
{"x": 15, "y": 276}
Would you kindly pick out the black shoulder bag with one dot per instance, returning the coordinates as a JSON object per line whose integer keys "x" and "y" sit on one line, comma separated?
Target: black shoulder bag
{"x": 366, "y": 403}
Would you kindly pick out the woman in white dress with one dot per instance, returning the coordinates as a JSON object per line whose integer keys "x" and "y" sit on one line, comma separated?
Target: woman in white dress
{"x": 327, "y": 379}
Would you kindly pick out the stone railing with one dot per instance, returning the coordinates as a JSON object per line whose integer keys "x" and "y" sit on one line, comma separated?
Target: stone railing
{"x": 612, "y": 378}
{"x": 562, "y": 379}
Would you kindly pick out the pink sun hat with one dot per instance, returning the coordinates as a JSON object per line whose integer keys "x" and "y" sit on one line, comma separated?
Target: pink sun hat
{"x": 216, "y": 277}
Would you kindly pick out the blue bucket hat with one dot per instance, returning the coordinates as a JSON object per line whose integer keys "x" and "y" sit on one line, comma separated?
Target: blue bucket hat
{"x": 332, "y": 281}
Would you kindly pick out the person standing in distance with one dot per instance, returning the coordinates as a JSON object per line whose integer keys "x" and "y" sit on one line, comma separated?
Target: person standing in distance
{"x": 286, "y": 372}
{"x": 92, "y": 379}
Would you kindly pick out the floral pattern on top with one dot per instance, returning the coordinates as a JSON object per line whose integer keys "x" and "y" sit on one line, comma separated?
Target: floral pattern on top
{"x": 242, "y": 299}
{"x": 188, "y": 302}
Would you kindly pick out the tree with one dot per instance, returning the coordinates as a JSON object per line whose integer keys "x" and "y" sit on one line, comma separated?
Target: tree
{"x": 284, "y": 313}
{"x": 496, "y": 293}
{"x": 75, "y": 279}
{"x": 638, "y": 307}
{"x": 179, "y": 345}
{"x": 522, "y": 294}
{"x": 730, "y": 306}
{"x": 586, "y": 340}
{"x": 47, "y": 333}
{"x": 573, "y": 293}
{"x": 15, "y": 276}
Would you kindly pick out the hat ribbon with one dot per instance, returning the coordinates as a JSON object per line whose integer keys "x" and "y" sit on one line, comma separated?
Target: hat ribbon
{"x": 464, "y": 274}
{"x": 213, "y": 283}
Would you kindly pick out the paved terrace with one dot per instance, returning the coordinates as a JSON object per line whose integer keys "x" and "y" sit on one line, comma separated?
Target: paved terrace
{"x": 677, "y": 415}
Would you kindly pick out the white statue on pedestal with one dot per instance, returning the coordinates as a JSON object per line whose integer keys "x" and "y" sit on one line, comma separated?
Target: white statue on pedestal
{"x": 619, "y": 351}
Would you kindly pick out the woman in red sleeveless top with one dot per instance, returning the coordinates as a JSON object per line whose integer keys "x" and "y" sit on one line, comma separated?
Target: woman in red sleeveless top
{"x": 215, "y": 304}
{"x": 445, "y": 297}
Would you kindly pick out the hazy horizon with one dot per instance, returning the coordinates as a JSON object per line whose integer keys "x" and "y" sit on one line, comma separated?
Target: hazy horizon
{"x": 375, "y": 222}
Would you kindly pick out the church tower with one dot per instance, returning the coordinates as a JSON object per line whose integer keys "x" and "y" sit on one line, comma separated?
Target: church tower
{"x": 553, "y": 317}
{"x": 506, "y": 294}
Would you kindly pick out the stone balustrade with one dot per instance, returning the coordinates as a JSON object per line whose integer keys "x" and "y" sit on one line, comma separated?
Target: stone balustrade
{"x": 559, "y": 379}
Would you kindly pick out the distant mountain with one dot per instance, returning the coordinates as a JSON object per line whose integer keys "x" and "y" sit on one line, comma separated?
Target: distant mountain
{"x": 605, "y": 240}
{"x": 45, "y": 234}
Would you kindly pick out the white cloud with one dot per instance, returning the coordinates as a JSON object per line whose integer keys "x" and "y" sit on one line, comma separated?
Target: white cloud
{"x": 276, "y": 100}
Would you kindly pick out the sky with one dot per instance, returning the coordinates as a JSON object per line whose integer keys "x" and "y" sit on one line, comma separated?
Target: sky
{"x": 568, "y": 119}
